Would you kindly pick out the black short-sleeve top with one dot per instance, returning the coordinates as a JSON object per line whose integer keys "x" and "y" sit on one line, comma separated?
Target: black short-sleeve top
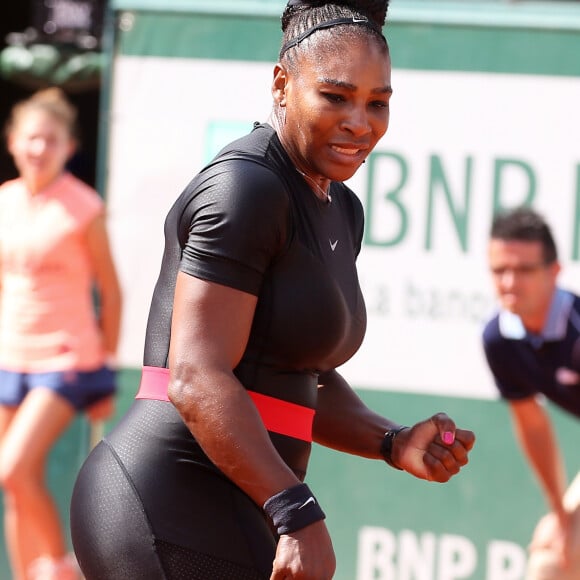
{"x": 524, "y": 364}
{"x": 249, "y": 221}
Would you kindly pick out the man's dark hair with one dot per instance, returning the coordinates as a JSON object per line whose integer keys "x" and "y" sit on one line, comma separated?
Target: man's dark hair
{"x": 523, "y": 224}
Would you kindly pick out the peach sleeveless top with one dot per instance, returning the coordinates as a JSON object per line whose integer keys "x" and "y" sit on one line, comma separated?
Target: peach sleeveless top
{"x": 47, "y": 318}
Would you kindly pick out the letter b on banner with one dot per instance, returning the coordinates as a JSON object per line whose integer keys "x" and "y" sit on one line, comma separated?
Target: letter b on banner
{"x": 376, "y": 554}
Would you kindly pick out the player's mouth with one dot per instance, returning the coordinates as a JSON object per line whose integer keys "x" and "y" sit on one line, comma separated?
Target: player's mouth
{"x": 350, "y": 153}
{"x": 346, "y": 150}
{"x": 349, "y": 149}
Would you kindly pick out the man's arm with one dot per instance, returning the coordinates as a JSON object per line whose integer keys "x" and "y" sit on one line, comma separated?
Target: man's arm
{"x": 537, "y": 439}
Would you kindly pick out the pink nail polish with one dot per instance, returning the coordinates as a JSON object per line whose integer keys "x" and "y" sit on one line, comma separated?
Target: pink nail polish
{"x": 448, "y": 437}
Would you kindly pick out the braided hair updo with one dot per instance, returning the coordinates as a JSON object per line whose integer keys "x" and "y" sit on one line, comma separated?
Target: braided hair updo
{"x": 304, "y": 19}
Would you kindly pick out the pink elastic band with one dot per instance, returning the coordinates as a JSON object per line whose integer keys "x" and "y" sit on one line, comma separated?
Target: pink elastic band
{"x": 278, "y": 416}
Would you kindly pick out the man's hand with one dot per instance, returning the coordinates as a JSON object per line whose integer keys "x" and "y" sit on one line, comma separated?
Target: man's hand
{"x": 554, "y": 533}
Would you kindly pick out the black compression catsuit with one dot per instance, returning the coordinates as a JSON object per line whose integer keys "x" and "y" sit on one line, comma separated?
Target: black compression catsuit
{"x": 148, "y": 503}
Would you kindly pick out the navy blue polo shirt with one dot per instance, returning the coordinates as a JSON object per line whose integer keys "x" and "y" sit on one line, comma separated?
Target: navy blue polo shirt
{"x": 524, "y": 364}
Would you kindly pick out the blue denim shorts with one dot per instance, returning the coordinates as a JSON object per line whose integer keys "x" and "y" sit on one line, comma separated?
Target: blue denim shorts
{"x": 80, "y": 389}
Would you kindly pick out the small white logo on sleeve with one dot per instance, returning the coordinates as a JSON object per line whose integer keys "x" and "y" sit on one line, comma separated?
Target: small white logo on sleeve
{"x": 332, "y": 244}
{"x": 309, "y": 500}
{"x": 567, "y": 376}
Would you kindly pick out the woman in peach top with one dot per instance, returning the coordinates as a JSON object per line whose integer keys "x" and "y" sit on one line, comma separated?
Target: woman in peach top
{"x": 55, "y": 352}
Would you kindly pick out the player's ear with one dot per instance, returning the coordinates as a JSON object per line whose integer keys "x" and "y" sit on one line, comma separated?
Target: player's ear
{"x": 279, "y": 84}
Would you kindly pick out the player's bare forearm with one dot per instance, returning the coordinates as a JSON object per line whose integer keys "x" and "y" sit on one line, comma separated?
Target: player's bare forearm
{"x": 344, "y": 422}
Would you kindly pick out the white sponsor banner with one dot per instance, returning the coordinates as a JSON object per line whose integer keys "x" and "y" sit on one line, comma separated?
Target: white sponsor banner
{"x": 426, "y": 556}
{"x": 459, "y": 144}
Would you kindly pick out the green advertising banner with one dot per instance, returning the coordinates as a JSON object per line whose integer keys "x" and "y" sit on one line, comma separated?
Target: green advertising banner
{"x": 484, "y": 115}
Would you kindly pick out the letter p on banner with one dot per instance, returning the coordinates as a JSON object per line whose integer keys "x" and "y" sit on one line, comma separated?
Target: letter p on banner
{"x": 457, "y": 558}
{"x": 505, "y": 561}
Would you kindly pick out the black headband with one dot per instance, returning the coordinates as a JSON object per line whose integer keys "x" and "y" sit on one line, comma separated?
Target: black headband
{"x": 362, "y": 20}
{"x": 310, "y": 4}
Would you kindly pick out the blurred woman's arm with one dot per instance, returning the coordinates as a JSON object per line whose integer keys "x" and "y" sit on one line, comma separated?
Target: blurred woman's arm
{"x": 107, "y": 283}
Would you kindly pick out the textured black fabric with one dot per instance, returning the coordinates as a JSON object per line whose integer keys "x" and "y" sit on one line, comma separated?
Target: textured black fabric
{"x": 251, "y": 222}
{"x": 183, "y": 564}
{"x": 111, "y": 536}
{"x": 147, "y": 483}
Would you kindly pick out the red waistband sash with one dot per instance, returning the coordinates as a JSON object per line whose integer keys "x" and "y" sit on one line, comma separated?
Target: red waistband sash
{"x": 278, "y": 416}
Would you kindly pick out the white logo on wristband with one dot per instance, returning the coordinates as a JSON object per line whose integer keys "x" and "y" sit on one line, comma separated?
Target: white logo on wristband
{"x": 309, "y": 500}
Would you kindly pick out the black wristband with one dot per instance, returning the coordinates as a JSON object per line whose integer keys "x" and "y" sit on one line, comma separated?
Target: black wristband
{"x": 387, "y": 446}
{"x": 293, "y": 508}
